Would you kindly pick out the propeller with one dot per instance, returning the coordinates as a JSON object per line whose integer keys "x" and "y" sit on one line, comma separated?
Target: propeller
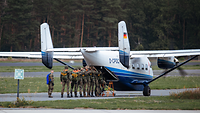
{"x": 182, "y": 71}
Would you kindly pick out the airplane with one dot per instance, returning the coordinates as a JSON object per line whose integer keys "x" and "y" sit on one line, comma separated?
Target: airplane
{"x": 129, "y": 70}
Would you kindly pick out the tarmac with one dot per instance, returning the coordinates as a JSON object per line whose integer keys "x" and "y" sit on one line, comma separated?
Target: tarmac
{"x": 11, "y": 97}
{"x": 56, "y": 96}
{"x": 57, "y": 74}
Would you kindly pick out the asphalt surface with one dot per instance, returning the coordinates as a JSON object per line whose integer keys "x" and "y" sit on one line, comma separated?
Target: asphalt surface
{"x": 43, "y": 74}
{"x": 36, "y": 64}
{"x": 108, "y": 95}
{"x": 57, "y": 74}
{"x": 56, "y": 96}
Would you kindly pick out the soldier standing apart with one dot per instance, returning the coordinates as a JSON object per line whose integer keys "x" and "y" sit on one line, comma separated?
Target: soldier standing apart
{"x": 50, "y": 82}
{"x": 65, "y": 78}
{"x": 74, "y": 84}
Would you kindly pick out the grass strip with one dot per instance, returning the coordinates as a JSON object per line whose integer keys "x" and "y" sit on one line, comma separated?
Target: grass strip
{"x": 188, "y": 94}
{"x": 32, "y": 68}
{"x": 147, "y": 103}
{"x": 60, "y": 68}
{"x": 38, "y": 84}
{"x": 176, "y": 82}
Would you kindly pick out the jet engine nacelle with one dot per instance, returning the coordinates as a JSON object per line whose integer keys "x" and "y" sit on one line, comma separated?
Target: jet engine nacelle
{"x": 167, "y": 62}
{"x": 47, "y": 59}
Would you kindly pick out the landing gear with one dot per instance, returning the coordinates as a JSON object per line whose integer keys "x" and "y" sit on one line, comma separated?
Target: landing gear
{"x": 146, "y": 91}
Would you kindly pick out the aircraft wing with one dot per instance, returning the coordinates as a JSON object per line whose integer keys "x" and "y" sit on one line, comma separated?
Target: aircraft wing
{"x": 165, "y": 53}
{"x": 22, "y": 54}
{"x": 78, "y": 49}
{"x": 60, "y": 55}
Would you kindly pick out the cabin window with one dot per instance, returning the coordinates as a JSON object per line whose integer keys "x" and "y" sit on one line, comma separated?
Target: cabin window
{"x": 142, "y": 66}
{"x": 146, "y": 67}
{"x": 133, "y": 66}
{"x": 138, "y": 66}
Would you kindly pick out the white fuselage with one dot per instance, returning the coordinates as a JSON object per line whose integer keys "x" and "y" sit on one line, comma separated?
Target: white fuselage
{"x": 139, "y": 68}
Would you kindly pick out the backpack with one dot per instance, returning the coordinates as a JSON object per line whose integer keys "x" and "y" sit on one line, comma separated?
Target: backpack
{"x": 65, "y": 76}
{"x": 47, "y": 78}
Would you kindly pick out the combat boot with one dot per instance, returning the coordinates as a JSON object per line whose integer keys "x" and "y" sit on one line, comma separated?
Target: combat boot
{"x": 81, "y": 95}
{"x": 92, "y": 95}
{"x": 61, "y": 96}
{"x": 71, "y": 94}
{"x": 50, "y": 95}
{"x": 84, "y": 95}
{"x": 68, "y": 96}
{"x": 76, "y": 95}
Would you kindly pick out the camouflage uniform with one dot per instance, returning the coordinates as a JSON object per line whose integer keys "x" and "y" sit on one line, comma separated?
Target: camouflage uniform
{"x": 65, "y": 78}
{"x": 80, "y": 81}
{"x": 84, "y": 78}
{"x": 50, "y": 85}
{"x": 97, "y": 85}
{"x": 102, "y": 82}
{"x": 74, "y": 83}
{"x": 92, "y": 83}
{"x": 88, "y": 81}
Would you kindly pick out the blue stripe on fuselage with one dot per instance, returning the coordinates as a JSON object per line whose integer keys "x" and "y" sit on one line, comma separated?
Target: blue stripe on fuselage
{"x": 43, "y": 53}
{"x": 125, "y": 73}
{"x": 126, "y": 77}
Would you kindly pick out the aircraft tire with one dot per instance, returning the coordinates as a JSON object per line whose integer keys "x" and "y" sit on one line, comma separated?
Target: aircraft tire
{"x": 146, "y": 91}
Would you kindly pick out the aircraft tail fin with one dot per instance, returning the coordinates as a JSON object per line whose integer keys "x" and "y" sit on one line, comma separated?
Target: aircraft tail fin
{"x": 46, "y": 43}
{"x": 123, "y": 43}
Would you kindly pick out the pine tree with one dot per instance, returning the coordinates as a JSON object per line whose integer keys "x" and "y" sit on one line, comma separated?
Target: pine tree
{"x": 18, "y": 25}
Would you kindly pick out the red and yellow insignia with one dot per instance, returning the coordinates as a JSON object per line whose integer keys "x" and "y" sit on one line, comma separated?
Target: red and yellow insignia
{"x": 125, "y": 35}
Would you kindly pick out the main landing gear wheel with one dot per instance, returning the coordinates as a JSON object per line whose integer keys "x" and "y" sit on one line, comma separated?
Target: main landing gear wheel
{"x": 146, "y": 91}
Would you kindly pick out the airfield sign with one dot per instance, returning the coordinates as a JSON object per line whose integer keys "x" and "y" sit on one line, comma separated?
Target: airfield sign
{"x": 19, "y": 74}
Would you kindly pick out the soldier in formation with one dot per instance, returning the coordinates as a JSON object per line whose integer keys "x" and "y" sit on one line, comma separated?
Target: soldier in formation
{"x": 65, "y": 78}
{"x": 89, "y": 80}
{"x": 74, "y": 84}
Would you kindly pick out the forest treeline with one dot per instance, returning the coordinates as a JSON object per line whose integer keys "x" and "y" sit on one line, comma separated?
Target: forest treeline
{"x": 151, "y": 24}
